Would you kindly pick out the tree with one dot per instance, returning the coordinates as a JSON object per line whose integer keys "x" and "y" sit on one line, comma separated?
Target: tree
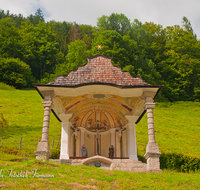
{"x": 87, "y": 32}
{"x": 15, "y": 72}
{"x": 38, "y": 17}
{"x": 61, "y": 29}
{"x": 10, "y": 39}
{"x": 112, "y": 46}
{"x": 77, "y": 54}
{"x": 42, "y": 53}
{"x": 180, "y": 68}
{"x": 118, "y": 22}
{"x": 74, "y": 33}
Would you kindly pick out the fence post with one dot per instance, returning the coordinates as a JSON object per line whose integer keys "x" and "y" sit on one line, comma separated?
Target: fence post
{"x": 20, "y": 144}
{"x": 52, "y": 143}
{"x": 58, "y": 141}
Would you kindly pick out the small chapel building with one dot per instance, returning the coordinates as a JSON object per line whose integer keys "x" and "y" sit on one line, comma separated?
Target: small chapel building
{"x": 98, "y": 105}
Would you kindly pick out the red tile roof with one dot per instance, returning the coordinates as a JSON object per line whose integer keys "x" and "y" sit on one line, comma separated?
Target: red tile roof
{"x": 99, "y": 69}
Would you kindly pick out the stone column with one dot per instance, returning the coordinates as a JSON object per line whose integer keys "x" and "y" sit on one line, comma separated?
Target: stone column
{"x": 43, "y": 150}
{"x": 112, "y": 139}
{"x": 82, "y": 137}
{"x": 65, "y": 137}
{"x": 131, "y": 137}
{"x": 152, "y": 150}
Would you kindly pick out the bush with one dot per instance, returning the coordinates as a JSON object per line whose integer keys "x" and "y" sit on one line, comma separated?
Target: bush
{"x": 14, "y": 72}
{"x": 55, "y": 153}
{"x": 179, "y": 162}
{"x": 4, "y": 86}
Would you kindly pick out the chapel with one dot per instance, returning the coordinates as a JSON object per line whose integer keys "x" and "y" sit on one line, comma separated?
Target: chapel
{"x": 98, "y": 106}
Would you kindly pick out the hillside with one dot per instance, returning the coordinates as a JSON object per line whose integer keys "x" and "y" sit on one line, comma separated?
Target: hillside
{"x": 177, "y": 124}
{"x": 177, "y": 131}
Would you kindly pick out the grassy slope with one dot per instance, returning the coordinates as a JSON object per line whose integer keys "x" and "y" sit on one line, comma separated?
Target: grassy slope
{"x": 177, "y": 130}
{"x": 177, "y": 127}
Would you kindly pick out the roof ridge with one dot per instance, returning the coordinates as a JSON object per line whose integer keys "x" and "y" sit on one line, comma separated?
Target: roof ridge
{"x": 98, "y": 69}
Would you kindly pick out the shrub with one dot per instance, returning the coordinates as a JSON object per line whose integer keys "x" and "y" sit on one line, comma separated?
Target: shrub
{"x": 179, "y": 162}
{"x": 4, "y": 86}
{"x": 14, "y": 72}
{"x": 55, "y": 153}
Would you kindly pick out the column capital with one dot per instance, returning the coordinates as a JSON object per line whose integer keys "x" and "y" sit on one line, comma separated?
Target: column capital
{"x": 47, "y": 103}
{"x": 65, "y": 117}
{"x": 131, "y": 118}
{"x": 82, "y": 128}
{"x": 112, "y": 130}
{"x": 147, "y": 94}
{"x": 48, "y": 94}
{"x": 148, "y": 105}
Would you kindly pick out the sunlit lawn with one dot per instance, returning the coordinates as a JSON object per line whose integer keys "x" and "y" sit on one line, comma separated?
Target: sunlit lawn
{"x": 177, "y": 127}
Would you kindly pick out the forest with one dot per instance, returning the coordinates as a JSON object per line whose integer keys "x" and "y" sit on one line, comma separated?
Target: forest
{"x": 35, "y": 51}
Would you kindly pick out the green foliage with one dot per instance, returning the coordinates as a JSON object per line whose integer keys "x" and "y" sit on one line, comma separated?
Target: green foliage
{"x": 62, "y": 34}
{"x": 179, "y": 162}
{"x": 4, "y": 86}
{"x": 118, "y": 22}
{"x": 10, "y": 39}
{"x": 55, "y": 153}
{"x": 15, "y": 72}
{"x": 38, "y": 17}
{"x": 77, "y": 54}
{"x": 167, "y": 56}
{"x": 112, "y": 46}
{"x": 42, "y": 53}
{"x": 3, "y": 124}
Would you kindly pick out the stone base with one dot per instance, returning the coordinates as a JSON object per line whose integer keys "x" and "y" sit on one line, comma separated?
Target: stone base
{"x": 133, "y": 157}
{"x": 42, "y": 155}
{"x": 153, "y": 162}
{"x": 43, "y": 151}
{"x": 107, "y": 163}
{"x": 128, "y": 165}
{"x": 43, "y": 146}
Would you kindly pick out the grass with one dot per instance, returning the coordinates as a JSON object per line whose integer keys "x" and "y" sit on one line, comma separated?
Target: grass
{"x": 6, "y": 87}
{"x": 177, "y": 131}
{"x": 85, "y": 177}
{"x": 177, "y": 127}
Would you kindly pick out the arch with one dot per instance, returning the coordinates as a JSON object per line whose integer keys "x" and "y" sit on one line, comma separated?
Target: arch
{"x": 97, "y": 158}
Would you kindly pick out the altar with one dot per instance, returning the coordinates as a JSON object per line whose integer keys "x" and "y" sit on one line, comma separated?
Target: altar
{"x": 99, "y": 106}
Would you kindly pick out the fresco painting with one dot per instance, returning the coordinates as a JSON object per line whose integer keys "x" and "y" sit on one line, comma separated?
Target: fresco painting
{"x": 99, "y": 110}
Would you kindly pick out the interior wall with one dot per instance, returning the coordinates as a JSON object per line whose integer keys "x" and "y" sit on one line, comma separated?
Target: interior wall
{"x": 89, "y": 143}
{"x": 105, "y": 144}
{"x": 78, "y": 148}
{"x": 117, "y": 145}
{"x": 71, "y": 149}
{"x": 124, "y": 143}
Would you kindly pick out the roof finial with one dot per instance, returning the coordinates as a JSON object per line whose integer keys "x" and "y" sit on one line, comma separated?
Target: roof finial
{"x": 99, "y": 48}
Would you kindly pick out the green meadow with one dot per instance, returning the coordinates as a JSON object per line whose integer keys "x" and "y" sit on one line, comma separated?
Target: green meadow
{"x": 177, "y": 127}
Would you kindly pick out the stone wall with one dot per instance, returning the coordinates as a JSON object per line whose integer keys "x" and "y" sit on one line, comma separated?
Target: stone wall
{"x": 109, "y": 164}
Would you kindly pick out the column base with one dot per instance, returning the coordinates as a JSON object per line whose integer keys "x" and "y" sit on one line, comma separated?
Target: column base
{"x": 153, "y": 162}
{"x": 43, "y": 146}
{"x": 64, "y": 157}
{"x": 133, "y": 157}
{"x": 152, "y": 147}
{"x": 43, "y": 151}
{"x": 42, "y": 155}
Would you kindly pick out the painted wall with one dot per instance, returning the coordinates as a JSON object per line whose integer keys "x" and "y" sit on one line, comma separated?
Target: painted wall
{"x": 71, "y": 150}
{"x": 89, "y": 143}
{"x": 124, "y": 143}
{"x": 105, "y": 144}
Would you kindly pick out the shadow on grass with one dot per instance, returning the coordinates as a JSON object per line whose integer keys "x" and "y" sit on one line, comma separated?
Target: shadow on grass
{"x": 16, "y": 130}
{"x": 179, "y": 162}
